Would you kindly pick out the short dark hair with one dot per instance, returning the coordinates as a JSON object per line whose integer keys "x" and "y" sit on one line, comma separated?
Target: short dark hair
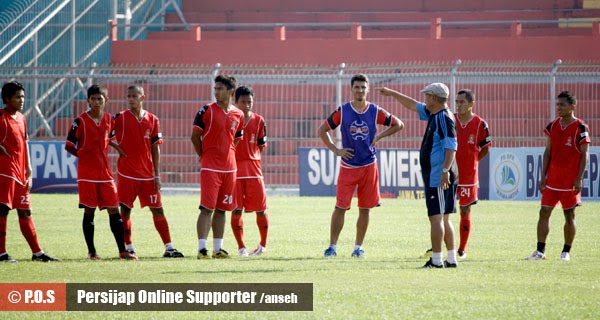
{"x": 10, "y": 88}
{"x": 469, "y": 95}
{"x": 137, "y": 88}
{"x": 571, "y": 99}
{"x": 97, "y": 89}
{"x": 229, "y": 81}
{"x": 243, "y": 91}
{"x": 359, "y": 77}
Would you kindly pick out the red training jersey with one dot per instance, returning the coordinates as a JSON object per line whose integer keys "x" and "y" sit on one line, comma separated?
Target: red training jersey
{"x": 13, "y": 136}
{"x": 91, "y": 140}
{"x": 219, "y": 131}
{"x": 136, "y": 137}
{"x": 247, "y": 154}
{"x": 565, "y": 155}
{"x": 472, "y": 137}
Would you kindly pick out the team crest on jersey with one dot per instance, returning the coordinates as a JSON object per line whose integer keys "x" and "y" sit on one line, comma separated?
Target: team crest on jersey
{"x": 359, "y": 130}
{"x": 233, "y": 125}
{"x": 569, "y": 142}
{"x": 147, "y": 135}
{"x": 471, "y": 139}
{"x": 252, "y": 138}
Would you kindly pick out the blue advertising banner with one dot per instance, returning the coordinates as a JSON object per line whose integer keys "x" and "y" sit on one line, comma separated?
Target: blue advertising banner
{"x": 54, "y": 170}
{"x": 515, "y": 174}
{"x": 399, "y": 173}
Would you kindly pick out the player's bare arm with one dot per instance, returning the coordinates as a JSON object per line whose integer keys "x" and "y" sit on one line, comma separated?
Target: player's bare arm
{"x": 156, "y": 163}
{"x": 545, "y": 164}
{"x": 345, "y": 153}
{"x": 577, "y": 185}
{"x": 483, "y": 153}
{"x": 396, "y": 126}
{"x": 71, "y": 149}
{"x": 118, "y": 148}
{"x": 406, "y": 101}
{"x": 448, "y": 161}
{"x": 197, "y": 142}
{"x": 28, "y": 171}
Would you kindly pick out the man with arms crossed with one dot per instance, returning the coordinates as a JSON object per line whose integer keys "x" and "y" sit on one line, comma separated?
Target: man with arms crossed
{"x": 565, "y": 159}
{"x": 358, "y": 120}
{"x": 438, "y": 167}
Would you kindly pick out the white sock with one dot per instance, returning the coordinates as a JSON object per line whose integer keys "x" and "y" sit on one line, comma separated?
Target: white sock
{"x": 436, "y": 258}
{"x": 451, "y": 258}
{"x": 357, "y": 247}
{"x": 201, "y": 244}
{"x": 130, "y": 247}
{"x": 217, "y": 244}
{"x": 333, "y": 246}
{"x": 169, "y": 246}
{"x": 39, "y": 253}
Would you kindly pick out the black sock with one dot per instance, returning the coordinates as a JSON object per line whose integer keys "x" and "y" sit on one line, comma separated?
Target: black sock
{"x": 116, "y": 226}
{"x": 88, "y": 232}
{"x": 541, "y": 246}
{"x": 566, "y": 248}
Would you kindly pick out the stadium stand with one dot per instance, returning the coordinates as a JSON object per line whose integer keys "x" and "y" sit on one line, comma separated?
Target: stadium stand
{"x": 327, "y": 33}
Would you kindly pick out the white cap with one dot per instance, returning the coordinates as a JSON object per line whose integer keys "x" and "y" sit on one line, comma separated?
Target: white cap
{"x": 437, "y": 89}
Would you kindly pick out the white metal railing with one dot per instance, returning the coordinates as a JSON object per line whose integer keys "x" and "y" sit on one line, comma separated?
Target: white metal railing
{"x": 516, "y": 99}
{"x": 34, "y": 24}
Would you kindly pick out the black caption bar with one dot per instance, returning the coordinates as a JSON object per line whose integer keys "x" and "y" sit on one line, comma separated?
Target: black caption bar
{"x": 189, "y": 297}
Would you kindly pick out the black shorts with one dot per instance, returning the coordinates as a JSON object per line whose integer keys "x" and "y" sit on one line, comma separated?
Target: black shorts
{"x": 440, "y": 201}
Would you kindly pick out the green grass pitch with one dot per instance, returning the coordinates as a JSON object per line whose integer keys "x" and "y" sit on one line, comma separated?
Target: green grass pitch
{"x": 495, "y": 282}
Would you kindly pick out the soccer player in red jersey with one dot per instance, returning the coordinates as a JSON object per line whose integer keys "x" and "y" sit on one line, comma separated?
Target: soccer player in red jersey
{"x": 15, "y": 172}
{"x": 474, "y": 140}
{"x": 137, "y": 133}
{"x": 565, "y": 159}
{"x": 218, "y": 126}
{"x": 250, "y": 186}
{"x": 88, "y": 140}
{"x": 358, "y": 120}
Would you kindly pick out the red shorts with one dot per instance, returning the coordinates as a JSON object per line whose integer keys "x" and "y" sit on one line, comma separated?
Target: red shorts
{"x": 13, "y": 194}
{"x": 568, "y": 199}
{"x": 367, "y": 180}
{"x": 129, "y": 189}
{"x": 98, "y": 194}
{"x": 216, "y": 190}
{"x": 467, "y": 195}
{"x": 250, "y": 195}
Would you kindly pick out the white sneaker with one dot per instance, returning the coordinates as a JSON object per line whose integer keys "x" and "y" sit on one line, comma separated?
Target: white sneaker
{"x": 565, "y": 256}
{"x": 243, "y": 252}
{"x": 258, "y": 251}
{"x": 536, "y": 255}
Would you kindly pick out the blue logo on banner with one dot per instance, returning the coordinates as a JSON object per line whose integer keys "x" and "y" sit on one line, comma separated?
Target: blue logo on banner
{"x": 508, "y": 177}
